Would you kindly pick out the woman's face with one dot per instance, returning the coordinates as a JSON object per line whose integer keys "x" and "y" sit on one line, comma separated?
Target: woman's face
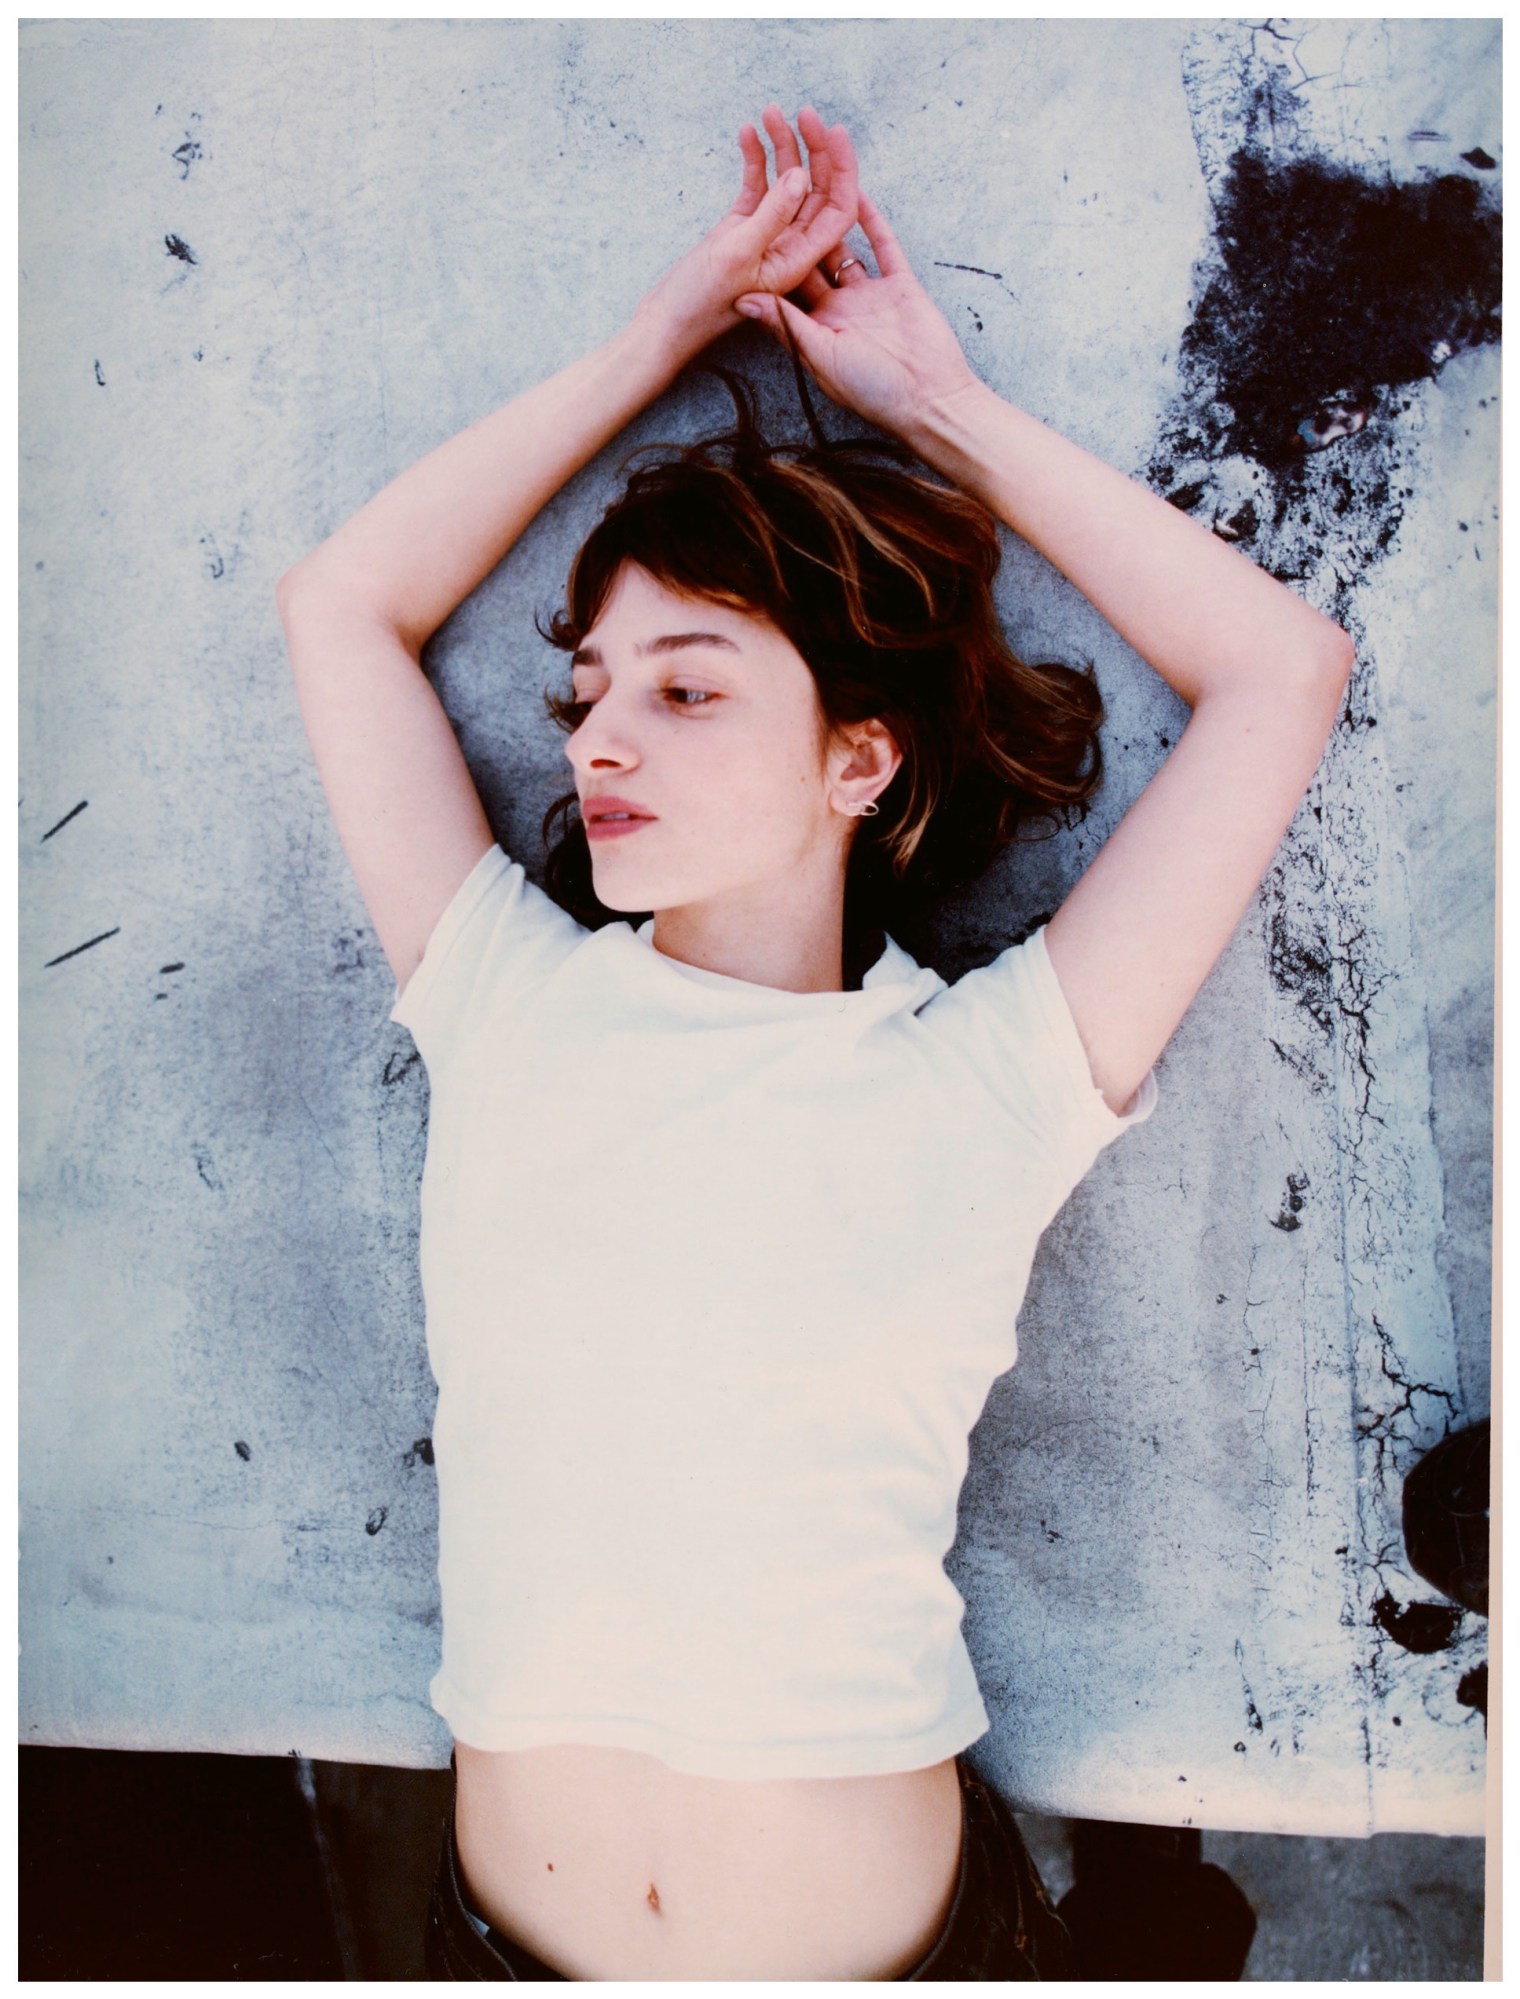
{"x": 704, "y": 725}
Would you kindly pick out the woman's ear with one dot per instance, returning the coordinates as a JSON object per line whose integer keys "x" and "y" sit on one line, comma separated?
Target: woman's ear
{"x": 862, "y": 763}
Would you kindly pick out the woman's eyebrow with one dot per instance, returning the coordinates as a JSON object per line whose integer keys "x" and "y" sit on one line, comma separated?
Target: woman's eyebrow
{"x": 667, "y": 642}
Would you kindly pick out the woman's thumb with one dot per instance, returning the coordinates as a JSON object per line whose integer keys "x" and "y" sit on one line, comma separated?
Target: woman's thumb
{"x": 784, "y": 199}
{"x": 778, "y": 315}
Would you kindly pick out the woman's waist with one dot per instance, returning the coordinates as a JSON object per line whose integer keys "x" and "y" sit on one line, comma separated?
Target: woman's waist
{"x": 608, "y": 1862}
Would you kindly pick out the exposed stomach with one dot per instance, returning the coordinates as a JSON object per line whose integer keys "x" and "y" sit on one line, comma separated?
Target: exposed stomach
{"x": 606, "y": 1863}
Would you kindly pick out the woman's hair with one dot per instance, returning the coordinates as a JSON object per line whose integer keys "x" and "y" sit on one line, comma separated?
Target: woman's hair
{"x": 882, "y": 580}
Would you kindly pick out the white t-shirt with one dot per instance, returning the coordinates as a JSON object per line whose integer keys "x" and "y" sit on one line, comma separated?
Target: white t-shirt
{"x": 717, "y": 1280}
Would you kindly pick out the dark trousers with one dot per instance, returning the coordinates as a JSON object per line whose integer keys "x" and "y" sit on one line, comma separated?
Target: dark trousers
{"x": 1000, "y": 1926}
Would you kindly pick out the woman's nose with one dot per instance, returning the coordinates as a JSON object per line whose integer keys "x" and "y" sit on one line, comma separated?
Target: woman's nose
{"x": 599, "y": 743}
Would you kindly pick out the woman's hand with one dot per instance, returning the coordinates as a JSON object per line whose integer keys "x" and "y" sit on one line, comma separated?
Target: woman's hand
{"x": 880, "y": 346}
{"x": 769, "y": 241}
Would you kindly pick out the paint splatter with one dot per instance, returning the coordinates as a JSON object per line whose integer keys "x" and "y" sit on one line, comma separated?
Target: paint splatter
{"x": 376, "y": 1520}
{"x": 242, "y": 1450}
{"x": 1326, "y": 298}
{"x": 178, "y": 247}
{"x": 1418, "y": 1627}
{"x": 67, "y": 815}
{"x": 1286, "y": 1218}
{"x": 1472, "y": 1691}
{"x": 88, "y": 945}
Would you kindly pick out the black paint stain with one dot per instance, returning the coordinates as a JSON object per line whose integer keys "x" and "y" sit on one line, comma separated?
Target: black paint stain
{"x": 397, "y": 1066}
{"x": 1472, "y": 1691}
{"x": 178, "y": 966}
{"x": 1333, "y": 287}
{"x": 98, "y": 376}
{"x": 187, "y": 155}
{"x": 1286, "y": 1217}
{"x": 1418, "y": 1627}
{"x": 1300, "y": 967}
{"x": 376, "y": 1520}
{"x": 977, "y": 271}
{"x": 1325, "y": 299}
{"x": 423, "y": 1449}
{"x": 88, "y": 945}
{"x": 65, "y": 820}
{"x": 1253, "y": 1712}
{"x": 242, "y": 1450}
{"x": 1241, "y": 525}
{"x": 1478, "y": 158}
{"x": 177, "y": 247}
{"x": 205, "y": 1166}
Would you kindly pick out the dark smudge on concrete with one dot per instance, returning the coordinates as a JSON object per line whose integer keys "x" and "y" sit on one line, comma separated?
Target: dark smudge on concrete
{"x": 1330, "y": 288}
{"x": 1326, "y": 297}
{"x": 1418, "y": 1627}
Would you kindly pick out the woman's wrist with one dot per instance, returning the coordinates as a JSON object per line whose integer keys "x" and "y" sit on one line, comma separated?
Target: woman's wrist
{"x": 946, "y": 427}
{"x": 650, "y": 344}
{"x": 663, "y": 342}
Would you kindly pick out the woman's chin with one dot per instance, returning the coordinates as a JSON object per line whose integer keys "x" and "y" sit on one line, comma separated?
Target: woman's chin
{"x": 617, "y": 888}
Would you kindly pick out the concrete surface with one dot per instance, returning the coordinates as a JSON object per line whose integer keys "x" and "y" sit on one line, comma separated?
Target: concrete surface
{"x": 266, "y": 265}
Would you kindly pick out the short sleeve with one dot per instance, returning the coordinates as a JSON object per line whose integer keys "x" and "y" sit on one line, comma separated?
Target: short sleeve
{"x": 496, "y": 943}
{"x": 1012, "y": 1023}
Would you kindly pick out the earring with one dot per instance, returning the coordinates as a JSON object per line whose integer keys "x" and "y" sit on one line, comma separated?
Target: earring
{"x": 867, "y": 811}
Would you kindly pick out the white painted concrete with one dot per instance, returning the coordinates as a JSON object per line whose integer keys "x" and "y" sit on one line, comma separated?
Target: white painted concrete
{"x": 1172, "y": 1525}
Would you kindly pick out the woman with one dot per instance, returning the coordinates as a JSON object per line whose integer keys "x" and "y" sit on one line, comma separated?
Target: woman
{"x": 722, "y": 1248}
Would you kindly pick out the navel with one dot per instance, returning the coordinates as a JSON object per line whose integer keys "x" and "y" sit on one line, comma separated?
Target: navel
{"x": 653, "y": 1898}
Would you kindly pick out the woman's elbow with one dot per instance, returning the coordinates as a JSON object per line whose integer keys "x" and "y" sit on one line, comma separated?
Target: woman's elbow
{"x": 1338, "y": 650}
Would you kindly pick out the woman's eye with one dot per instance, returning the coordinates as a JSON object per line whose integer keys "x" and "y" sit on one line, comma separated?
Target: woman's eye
{"x": 690, "y": 697}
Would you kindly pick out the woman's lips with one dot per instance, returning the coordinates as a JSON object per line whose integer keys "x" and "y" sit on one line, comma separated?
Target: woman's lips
{"x": 611, "y": 818}
{"x": 613, "y": 829}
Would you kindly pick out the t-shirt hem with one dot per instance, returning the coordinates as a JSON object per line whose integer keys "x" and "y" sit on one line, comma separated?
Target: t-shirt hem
{"x": 696, "y": 1756}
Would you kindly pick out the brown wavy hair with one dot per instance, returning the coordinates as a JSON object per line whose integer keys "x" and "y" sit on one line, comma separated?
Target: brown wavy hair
{"x": 882, "y": 579}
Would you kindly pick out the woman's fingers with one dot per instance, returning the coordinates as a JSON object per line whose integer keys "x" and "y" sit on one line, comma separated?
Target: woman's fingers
{"x": 782, "y": 138}
{"x": 778, "y": 211}
{"x": 752, "y": 191}
{"x": 810, "y": 235}
{"x": 841, "y": 186}
{"x": 885, "y": 247}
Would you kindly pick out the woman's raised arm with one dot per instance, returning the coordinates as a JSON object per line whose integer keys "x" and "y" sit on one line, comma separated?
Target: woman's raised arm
{"x": 358, "y": 610}
{"x": 1264, "y": 673}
